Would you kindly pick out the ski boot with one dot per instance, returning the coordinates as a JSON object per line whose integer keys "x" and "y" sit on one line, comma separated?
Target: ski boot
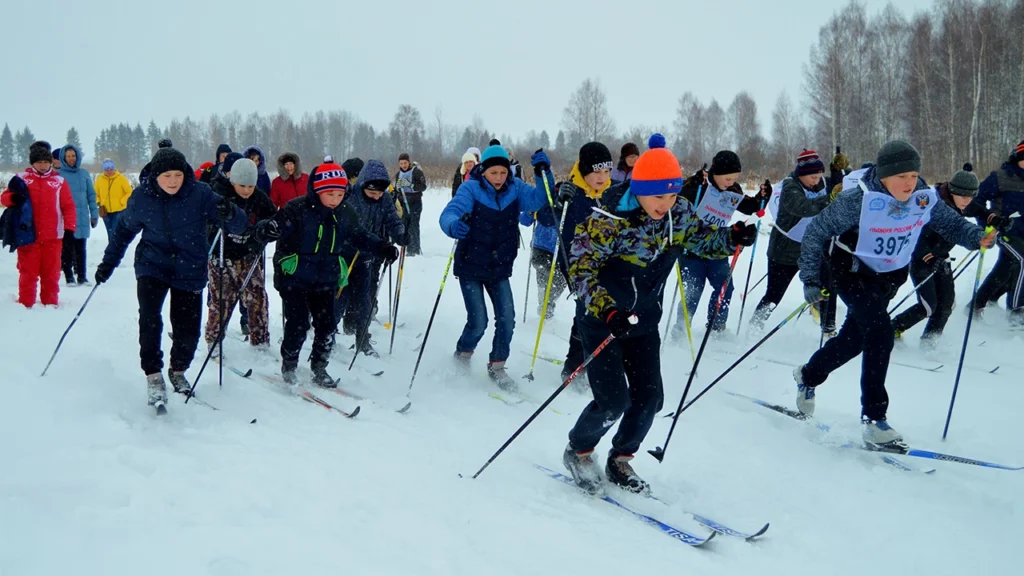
{"x": 830, "y": 332}
{"x": 322, "y": 379}
{"x": 180, "y": 383}
{"x": 878, "y": 435}
{"x": 1016, "y": 320}
{"x": 804, "y": 394}
{"x": 462, "y": 360}
{"x": 367, "y": 347}
{"x": 83, "y": 281}
{"x": 621, "y": 474}
{"x": 584, "y": 470}
{"x": 496, "y": 370}
{"x": 289, "y": 375}
{"x": 157, "y": 390}
{"x": 930, "y": 341}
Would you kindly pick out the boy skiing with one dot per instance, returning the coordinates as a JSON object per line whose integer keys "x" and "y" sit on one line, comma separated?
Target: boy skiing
{"x": 46, "y": 212}
{"x": 876, "y": 227}
{"x": 171, "y": 210}
{"x": 484, "y": 217}
{"x": 619, "y": 261}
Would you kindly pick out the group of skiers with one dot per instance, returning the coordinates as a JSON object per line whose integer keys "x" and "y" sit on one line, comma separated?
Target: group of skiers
{"x": 614, "y": 231}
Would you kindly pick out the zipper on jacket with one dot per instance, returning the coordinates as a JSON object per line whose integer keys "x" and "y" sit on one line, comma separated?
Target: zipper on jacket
{"x": 334, "y": 232}
{"x": 319, "y": 235}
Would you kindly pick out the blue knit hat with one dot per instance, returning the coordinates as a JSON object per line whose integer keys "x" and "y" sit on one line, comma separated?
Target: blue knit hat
{"x": 108, "y": 164}
{"x": 495, "y": 156}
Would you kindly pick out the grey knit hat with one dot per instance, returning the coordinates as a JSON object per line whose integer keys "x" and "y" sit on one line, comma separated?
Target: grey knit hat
{"x": 964, "y": 183}
{"x": 896, "y": 157}
{"x": 244, "y": 172}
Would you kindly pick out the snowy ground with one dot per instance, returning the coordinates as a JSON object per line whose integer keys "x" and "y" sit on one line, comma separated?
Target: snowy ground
{"x": 93, "y": 483}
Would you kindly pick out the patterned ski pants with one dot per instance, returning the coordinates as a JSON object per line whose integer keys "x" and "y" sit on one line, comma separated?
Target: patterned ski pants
{"x": 254, "y": 298}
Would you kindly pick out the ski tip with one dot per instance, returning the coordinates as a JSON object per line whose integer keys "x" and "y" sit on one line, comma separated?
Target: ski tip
{"x": 405, "y": 408}
{"x": 381, "y": 373}
{"x": 759, "y": 533}
{"x": 253, "y": 421}
{"x": 354, "y": 413}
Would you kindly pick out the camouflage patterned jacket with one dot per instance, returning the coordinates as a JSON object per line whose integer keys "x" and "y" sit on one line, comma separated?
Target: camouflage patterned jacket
{"x": 620, "y": 257}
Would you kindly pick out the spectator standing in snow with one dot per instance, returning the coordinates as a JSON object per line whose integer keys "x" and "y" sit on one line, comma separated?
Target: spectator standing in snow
{"x": 171, "y": 210}
{"x": 255, "y": 153}
{"x": 290, "y": 183}
{"x": 410, "y": 184}
{"x": 82, "y": 191}
{"x": 42, "y": 191}
{"x": 112, "y": 192}
{"x": 627, "y": 158}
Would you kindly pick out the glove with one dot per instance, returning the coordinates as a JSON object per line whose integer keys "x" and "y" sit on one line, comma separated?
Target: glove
{"x": 19, "y": 191}
{"x": 743, "y": 234}
{"x": 700, "y": 177}
{"x": 540, "y": 162}
{"x": 1000, "y": 223}
{"x": 620, "y": 323}
{"x": 267, "y": 231}
{"x": 460, "y": 230}
{"x": 386, "y": 252}
{"x": 403, "y": 240}
{"x": 225, "y": 210}
{"x": 93, "y": 222}
{"x": 566, "y": 192}
{"x": 932, "y": 262}
{"x": 766, "y": 189}
{"x": 813, "y": 294}
{"x": 103, "y": 272}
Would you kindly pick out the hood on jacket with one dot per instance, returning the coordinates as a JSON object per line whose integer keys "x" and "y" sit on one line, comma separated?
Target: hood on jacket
{"x": 286, "y": 158}
{"x": 263, "y": 158}
{"x": 373, "y": 170}
{"x": 222, "y": 149}
{"x": 576, "y": 177}
{"x": 1011, "y": 167}
{"x": 78, "y": 154}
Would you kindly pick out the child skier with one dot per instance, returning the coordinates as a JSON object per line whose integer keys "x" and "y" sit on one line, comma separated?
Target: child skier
{"x": 803, "y": 195}
{"x": 308, "y": 266}
{"x": 716, "y": 196}
{"x": 619, "y": 261}
{"x": 172, "y": 210}
{"x": 240, "y": 253}
{"x": 878, "y": 225}
{"x": 375, "y": 208}
{"x": 484, "y": 217}
{"x": 930, "y": 270}
{"x": 46, "y": 207}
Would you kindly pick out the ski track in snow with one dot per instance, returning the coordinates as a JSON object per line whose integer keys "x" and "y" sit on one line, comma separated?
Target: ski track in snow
{"x": 93, "y": 483}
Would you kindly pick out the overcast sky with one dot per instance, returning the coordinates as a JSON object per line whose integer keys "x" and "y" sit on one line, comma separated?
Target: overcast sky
{"x": 90, "y": 63}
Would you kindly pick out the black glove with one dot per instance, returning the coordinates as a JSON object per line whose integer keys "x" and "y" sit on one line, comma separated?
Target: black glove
{"x": 267, "y": 231}
{"x": 225, "y": 210}
{"x": 386, "y": 252}
{"x": 566, "y": 192}
{"x": 402, "y": 239}
{"x": 766, "y": 189}
{"x": 93, "y": 222}
{"x": 19, "y": 191}
{"x": 620, "y": 322}
{"x": 103, "y": 272}
{"x": 1001, "y": 223}
{"x": 700, "y": 177}
{"x": 741, "y": 234}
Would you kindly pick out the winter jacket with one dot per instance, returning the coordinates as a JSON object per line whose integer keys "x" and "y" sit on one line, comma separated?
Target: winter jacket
{"x": 174, "y": 244}
{"x": 931, "y": 241}
{"x": 620, "y": 257}
{"x": 53, "y": 208}
{"x": 794, "y": 205}
{"x": 263, "y": 180}
{"x": 458, "y": 179}
{"x": 694, "y": 190}
{"x": 313, "y": 238}
{"x": 379, "y": 217}
{"x": 284, "y": 189}
{"x": 490, "y": 248}
{"x": 620, "y": 175}
{"x": 257, "y": 207}
{"x": 544, "y": 236}
{"x": 112, "y": 192}
{"x": 413, "y": 184}
{"x": 841, "y": 219}
{"x": 82, "y": 192}
{"x": 1005, "y": 187}
{"x": 207, "y": 172}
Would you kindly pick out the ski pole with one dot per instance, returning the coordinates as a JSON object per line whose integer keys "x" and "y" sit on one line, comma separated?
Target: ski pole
{"x": 750, "y": 269}
{"x": 547, "y": 294}
{"x": 686, "y": 309}
{"x": 209, "y": 353}
{"x": 967, "y": 334}
{"x": 550, "y": 399}
{"x": 209, "y": 253}
{"x": 365, "y": 328}
{"x": 390, "y": 290}
{"x": 220, "y": 303}
{"x": 65, "y": 335}
{"x": 962, "y": 267}
{"x": 668, "y": 324}
{"x": 956, "y": 272}
{"x": 659, "y": 452}
{"x": 433, "y": 312}
{"x": 347, "y": 272}
{"x": 764, "y": 339}
{"x": 756, "y": 284}
{"x": 398, "y": 297}
{"x": 526, "y": 300}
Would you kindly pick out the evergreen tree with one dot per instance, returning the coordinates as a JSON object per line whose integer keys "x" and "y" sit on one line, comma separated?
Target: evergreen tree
{"x": 153, "y": 135}
{"x": 545, "y": 140}
{"x": 560, "y": 141}
{"x": 6, "y": 147}
{"x": 22, "y": 140}
{"x": 72, "y": 139}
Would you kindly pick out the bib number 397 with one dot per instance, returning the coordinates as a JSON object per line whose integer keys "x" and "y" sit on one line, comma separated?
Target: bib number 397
{"x": 892, "y": 245}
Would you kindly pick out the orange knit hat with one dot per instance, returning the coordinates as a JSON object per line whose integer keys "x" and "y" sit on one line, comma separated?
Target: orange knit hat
{"x": 657, "y": 171}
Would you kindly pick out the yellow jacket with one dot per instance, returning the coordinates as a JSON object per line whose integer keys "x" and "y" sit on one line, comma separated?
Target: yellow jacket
{"x": 112, "y": 192}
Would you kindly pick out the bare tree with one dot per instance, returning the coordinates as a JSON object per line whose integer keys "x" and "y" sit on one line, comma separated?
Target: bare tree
{"x": 586, "y": 117}
{"x": 744, "y": 126}
{"x": 716, "y": 137}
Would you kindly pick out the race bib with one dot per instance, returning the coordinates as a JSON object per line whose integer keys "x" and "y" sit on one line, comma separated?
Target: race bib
{"x": 404, "y": 182}
{"x": 717, "y": 207}
{"x": 890, "y": 229}
{"x": 796, "y": 233}
{"x": 852, "y": 179}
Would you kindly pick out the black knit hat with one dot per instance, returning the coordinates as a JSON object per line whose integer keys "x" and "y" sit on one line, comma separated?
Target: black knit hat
{"x": 165, "y": 143}
{"x": 167, "y": 159}
{"x": 494, "y": 142}
{"x": 725, "y": 162}
{"x": 595, "y": 157}
{"x": 352, "y": 167}
{"x": 964, "y": 183}
{"x": 39, "y": 151}
{"x": 629, "y": 149}
{"x": 897, "y": 157}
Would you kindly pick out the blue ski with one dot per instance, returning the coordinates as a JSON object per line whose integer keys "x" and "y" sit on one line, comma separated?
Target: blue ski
{"x": 680, "y": 535}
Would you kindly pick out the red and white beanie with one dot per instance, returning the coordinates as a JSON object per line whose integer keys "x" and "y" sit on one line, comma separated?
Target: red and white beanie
{"x": 327, "y": 177}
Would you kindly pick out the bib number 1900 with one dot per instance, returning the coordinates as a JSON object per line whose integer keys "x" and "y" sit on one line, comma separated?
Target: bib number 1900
{"x": 891, "y": 245}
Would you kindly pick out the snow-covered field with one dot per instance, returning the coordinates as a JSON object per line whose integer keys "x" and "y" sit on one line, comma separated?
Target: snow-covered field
{"x": 91, "y": 482}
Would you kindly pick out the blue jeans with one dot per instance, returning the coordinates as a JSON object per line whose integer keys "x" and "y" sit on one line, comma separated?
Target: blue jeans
{"x": 500, "y": 293}
{"x": 697, "y": 271}
{"x": 110, "y": 221}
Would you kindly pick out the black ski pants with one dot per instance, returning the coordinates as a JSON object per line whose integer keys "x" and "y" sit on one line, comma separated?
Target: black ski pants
{"x": 298, "y": 307}
{"x": 415, "y": 211}
{"x": 72, "y": 257}
{"x": 934, "y": 298}
{"x": 1006, "y": 277}
{"x": 186, "y": 318}
{"x": 626, "y": 381}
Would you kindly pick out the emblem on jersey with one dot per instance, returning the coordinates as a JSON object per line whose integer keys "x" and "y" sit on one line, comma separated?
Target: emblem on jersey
{"x": 898, "y": 210}
{"x": 922, "y": 200}
{"x": 728, "y": 201}
{"x": 877, "y": 205}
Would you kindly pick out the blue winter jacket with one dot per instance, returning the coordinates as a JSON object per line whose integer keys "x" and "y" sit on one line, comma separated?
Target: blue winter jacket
{"x": 82, "y": 192}
{"x": 1007, "y": 185}
{"x": 174, "y": 243}
{"x": 544, "y": 236}
{"x": 489, "y": 250}
{"x": 263, "y": 179}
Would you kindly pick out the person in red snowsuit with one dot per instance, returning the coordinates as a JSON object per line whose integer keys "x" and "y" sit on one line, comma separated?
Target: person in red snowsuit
{"x": 53, "y": 213}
